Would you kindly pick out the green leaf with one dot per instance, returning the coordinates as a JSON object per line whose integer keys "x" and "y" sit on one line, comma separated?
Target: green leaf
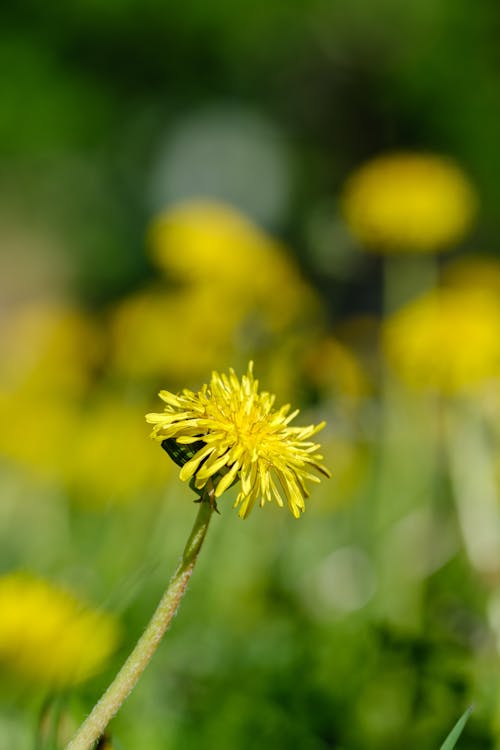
{"x": 455, "y": 733}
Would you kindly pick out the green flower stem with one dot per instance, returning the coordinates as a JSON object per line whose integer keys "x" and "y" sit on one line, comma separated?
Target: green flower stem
{"x": 102, "y": 713}
{"x": 407, "y": 276}
{"x": 472, "y": 474}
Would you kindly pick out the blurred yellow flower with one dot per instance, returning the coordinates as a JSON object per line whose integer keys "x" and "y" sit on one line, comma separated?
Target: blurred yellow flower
{"x": 49, "y": 353}
{"x": 48, "y": 636}
{"x": 478, "y": 272}
{"x": 448, "y": 340}
{"x": 38, "y": 429}
{"x": 225, "y": 273}
{"x": 210, "y": 244}
{"x": 409, "y": 202}
{"x": 230, "y": 431}
{"x": 49, "y": 348}
{"x": 101, "y": 469}
{"x": 178, "y": 334}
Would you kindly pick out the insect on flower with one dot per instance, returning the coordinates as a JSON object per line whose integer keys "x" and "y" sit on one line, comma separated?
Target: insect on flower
{"x": 230, "y": 432}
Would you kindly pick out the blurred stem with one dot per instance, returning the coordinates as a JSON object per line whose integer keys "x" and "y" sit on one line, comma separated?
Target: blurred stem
{"x": 48, "y": 722}
{"x": 102, "y": 713}
{"x": 472, "y": 474}
{"x": 42, "y": 724}
{"x": 408, "y": 276}
{"x": 404, "y": 485}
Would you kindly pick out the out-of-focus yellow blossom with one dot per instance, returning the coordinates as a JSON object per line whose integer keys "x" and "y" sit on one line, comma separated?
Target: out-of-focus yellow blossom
{"x": 48, "y": 354}
{"x": 36, "y": 429}
{"x": 94, "y": 465}
{"x": 334, "y": 369}
{"x": 229, "y": 431}
{"x": 210, "y": 244}
{"x": 48, "y": 636}
{"x": 177, "y": 335}
{"x": 477, "y": 272}
{"x": 104, "y": 465}
{"x": 448, "y": 340}
{"x": 48, "y": 348}
{"x": 409, "y": 202}
{"x": 234, "y": 289}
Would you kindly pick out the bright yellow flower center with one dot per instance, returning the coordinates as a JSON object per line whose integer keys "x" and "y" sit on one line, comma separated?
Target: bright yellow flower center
{"x": 242, "y": 437}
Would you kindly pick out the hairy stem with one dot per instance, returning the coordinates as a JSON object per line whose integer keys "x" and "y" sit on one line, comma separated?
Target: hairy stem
{"x": 104, "y": 710}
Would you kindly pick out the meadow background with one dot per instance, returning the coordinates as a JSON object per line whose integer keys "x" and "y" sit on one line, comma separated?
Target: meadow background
{"x": 181, "y": 191}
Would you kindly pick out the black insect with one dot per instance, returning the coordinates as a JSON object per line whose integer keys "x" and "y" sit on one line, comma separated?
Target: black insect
{"x": 179, "y": 453}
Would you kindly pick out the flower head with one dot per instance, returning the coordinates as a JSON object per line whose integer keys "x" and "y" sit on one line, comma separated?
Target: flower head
{"x": 447, "y": 340}
{"x": 409, "y": 202}
{"x": 48, "y": 636}
{"x": 212, "y": 247}
{"x": 92, "y": 467}
{"x": 238, "y": 434}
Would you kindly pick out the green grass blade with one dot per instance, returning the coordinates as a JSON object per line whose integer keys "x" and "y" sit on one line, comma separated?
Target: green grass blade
{"x": 455, "y": 733}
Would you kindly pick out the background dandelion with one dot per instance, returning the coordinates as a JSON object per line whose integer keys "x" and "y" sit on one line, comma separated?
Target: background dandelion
{"x": 49, "y": 637}
{"x": 413, "y": 202}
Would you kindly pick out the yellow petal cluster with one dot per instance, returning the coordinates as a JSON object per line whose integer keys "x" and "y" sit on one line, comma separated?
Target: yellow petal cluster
{"x": 447, "y": 340}
{"x": 409, "y": 202}
{"x": 48, "y": 636}
{"x": 244, "y": 438}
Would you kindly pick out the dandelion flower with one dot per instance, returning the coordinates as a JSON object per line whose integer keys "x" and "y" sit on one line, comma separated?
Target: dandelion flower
{"x": 207, "y": 242}
{"x": 48, "y": 636}
{"x": 409, "y": 202}
{"x": 447, "y": 340}
{"x": 211, "y": 245}
{"x": 92, "y": 467}
{"x": 48, "y": 348}
{"x": 474, "y": 272}
{"x": 205, "y": 337}
{"x": 232, "y": 432}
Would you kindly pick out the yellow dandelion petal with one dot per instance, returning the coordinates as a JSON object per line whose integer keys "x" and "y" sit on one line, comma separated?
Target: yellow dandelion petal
{"x": 190, "y": 467}
{"x": 275, "y": 492}
{"x": 227, "y": 480}
{"x": 211, "y": 466}
{"x": 248, "y": 479}
{"x": 169, "y": 398}
{"x": 243, "y": 438}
